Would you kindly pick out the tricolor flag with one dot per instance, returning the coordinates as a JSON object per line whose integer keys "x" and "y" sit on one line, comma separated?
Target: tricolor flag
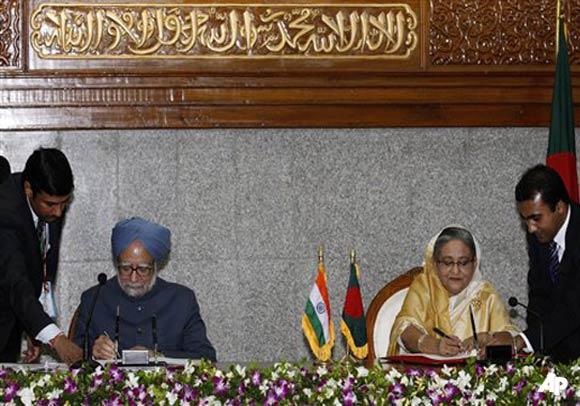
{"x": 316, "y": 322}
{"x": 353, "y": 324}
{"x": 562, "y": 141}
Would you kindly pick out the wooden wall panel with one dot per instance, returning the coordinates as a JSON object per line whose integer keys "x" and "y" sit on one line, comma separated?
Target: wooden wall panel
{"x": 179, "y": 64}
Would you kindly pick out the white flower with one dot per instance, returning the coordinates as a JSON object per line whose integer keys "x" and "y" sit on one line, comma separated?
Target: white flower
{"x": 26, "y": 396}
{"x": 503, "y": 383}
{"x": 490, "y": 370}
{"x": 337, "y": 402}
{"x": 241, "y": 371}
{"x": 171, "y": 397}
{"x": 393, "y": 374}
{"x": 446, "y": 370}
{"x": 55, "y": 394}
{"x": 189, "y": 368}
{"x": 463, "y": 380}
{"x": 575, "y": 368}
{"x": 274, "y": 376}
{"x": 491, "y": 396}
{"x": 527, "y": 370}
{"x": 307, "y": 392}
{"x": 219, "y": 373}
{"x": 132, "y": 381}
{"x": 362, "y": 372}
{"x": 230, "y": 375}
{"x": 322, "y": 370}
{"x": 479, "y": 390}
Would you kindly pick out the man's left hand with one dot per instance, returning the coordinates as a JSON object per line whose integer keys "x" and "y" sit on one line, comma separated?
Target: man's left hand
{"x": 32, "y": 353}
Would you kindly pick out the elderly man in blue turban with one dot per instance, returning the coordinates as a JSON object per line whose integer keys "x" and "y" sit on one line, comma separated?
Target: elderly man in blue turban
{"x": 146, "y": 305}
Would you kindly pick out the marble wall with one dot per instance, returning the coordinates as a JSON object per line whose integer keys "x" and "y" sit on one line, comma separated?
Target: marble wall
{"x": 248, "y": 209}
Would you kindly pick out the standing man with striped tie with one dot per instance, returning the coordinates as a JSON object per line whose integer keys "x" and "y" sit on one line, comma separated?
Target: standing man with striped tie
{"x": 552, "y": 223}
{"x": 32, "y": 207}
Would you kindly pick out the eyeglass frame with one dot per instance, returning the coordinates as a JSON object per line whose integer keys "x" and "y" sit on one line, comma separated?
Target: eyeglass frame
{"x": 137, "y": 268}
{"x": 449, "y": 265}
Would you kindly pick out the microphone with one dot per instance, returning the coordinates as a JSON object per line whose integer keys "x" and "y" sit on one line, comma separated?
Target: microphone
{"x": 154, "y": 330}
{"x": 102, "y": 279}
{"x": 513, "y": 302}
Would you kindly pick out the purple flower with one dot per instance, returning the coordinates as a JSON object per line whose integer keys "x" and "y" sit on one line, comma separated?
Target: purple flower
{"x": 536, "y": 397}
{"x": 70, "y": 386}
{"x": 414, "y": 372}
{"x": 233, "y": 402}
{"x": 189, "y": 394}
{"x": 256, "y": 378}
{"x": 281, "y": 389}
{"x": 242, "y": 389}
{"x": 97, "y": 380}
{"x": 220, "y": 386}
{"x": 270, "y": 399}
{"x": 114, "y": 401}
{"x": 479, "y": 370}
{"x": 450, "y": 391}
{"x": 490, "y": 402}
{"x": 431, "y": 373}
{"x": 204, "y": 378}
{"x": 518, "y": 387}
{"x": 304, "y": 371}
{"x": 435, "y": 397}
{"x": 510, "y": 368}
{"x": 397, "y": 390}
{"x": 3, "y": 373}
{"x": 348, "y": 398}
{"x": 11, "y": 390}
{"x": 116, "y": 375}
{"x": 569, "y": 393}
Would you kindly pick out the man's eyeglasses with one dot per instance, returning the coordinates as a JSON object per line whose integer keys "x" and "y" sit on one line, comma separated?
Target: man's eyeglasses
{"x": 462, "y": 264}
{"x": 142, "y": 270}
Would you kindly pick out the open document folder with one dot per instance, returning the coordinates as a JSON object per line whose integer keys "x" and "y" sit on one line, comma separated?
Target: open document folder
{"x": 429, "y": 359}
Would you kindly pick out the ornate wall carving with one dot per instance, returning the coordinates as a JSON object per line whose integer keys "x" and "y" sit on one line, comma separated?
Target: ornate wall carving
{"x": 495, "y": 32}
{"x": 249, "y": 31}
{"x": 9, "y": 34}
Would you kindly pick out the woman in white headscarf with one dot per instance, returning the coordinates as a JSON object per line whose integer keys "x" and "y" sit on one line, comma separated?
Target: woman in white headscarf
{"x": 441, "y": 298}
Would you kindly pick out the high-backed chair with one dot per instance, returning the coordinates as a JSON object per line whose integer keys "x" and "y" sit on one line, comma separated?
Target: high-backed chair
{"x": 4, "y": 169}
{"x": 72, "y": 325}
{"x": 382, "y": 312}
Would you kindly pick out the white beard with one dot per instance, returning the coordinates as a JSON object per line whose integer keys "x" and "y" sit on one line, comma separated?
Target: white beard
{"x": 138, "y": 289}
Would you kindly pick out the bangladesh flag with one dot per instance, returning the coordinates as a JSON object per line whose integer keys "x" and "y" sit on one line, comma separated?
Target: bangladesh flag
{"x": 562, "y": 140}
{"x": 316, "y": 322}
{"x": 353, "y": 324}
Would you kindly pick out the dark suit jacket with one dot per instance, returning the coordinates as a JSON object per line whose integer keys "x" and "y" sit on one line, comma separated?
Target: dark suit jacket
{"x": 558, "y": 306}
{"x": 21, "y": 270}
{"x": 180, "y": 329}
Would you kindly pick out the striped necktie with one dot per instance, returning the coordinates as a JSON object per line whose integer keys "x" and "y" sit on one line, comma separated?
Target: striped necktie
{"x": 41, "y": 233}
{"x": 554, "y": 263}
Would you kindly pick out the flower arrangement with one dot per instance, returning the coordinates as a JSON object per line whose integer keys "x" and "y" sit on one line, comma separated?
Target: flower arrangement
{"x": 284, "y": 383}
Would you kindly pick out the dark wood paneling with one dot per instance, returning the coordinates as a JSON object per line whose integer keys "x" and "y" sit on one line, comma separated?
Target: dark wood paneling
{"x": 441, "y": 63}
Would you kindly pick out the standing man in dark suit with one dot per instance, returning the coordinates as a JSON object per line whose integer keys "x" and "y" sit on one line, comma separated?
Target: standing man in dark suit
{"x": 552, "y": 222}
{"x": 32, "y": 206}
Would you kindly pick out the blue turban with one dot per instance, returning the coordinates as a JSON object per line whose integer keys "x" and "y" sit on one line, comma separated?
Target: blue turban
{"x": 155, "y": 238}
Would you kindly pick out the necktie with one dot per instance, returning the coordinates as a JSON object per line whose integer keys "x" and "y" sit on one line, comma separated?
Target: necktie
{"x": 554, "y": 263}
{"x": 41, "y": 233}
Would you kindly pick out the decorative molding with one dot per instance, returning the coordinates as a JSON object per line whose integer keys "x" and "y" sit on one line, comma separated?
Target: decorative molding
{"x": 9, "y": 34}
{"x": 223, "y": 31}
{"x": 493, "y": 32}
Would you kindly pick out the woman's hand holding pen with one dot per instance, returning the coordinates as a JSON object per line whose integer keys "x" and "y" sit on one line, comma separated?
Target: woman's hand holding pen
{"x": 449, "y": 345}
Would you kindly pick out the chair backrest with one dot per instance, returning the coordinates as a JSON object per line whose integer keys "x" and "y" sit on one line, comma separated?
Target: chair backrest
{"x": 382, "y": 312}
{"x": 4, "y": 169}
{"x": 73, "y": 324}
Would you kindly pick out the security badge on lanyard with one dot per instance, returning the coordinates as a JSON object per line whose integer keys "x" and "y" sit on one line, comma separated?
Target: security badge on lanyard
{"x": 46, "y": 296}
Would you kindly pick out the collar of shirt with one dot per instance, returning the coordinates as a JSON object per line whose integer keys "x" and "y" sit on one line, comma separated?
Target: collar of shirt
{"x": 560, "y": 237}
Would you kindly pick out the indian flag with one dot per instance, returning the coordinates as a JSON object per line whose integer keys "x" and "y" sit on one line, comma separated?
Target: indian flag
{"x": 316, "y": 322}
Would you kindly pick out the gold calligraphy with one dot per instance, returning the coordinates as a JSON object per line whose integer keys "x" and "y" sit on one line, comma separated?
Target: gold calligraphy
{"x": 114, "y": 31}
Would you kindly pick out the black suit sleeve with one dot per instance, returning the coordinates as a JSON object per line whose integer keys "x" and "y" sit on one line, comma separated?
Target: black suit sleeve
{"x": 16, "y": 285}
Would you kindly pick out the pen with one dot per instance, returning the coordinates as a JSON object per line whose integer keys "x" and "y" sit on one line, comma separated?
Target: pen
{"x": 440, "y": 332}
{"x": 475, "y": 342}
